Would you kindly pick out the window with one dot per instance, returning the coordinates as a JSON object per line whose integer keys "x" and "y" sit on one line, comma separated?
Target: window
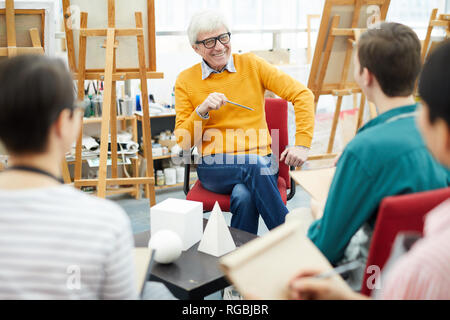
{"x": 246, "y": 14}
{"x": 414, "y": 13}
{"x": 174, "y": 52}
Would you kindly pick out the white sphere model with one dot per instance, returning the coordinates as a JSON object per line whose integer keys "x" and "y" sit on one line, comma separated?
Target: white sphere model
{"x": 167, "y": 245}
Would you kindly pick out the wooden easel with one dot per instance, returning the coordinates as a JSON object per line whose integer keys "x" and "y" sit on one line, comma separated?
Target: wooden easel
{"x": 443, "y": 20}
{"x": 328, "y": 32}
{"x": 109, "y": 116}
{"x": 12, "y": 50}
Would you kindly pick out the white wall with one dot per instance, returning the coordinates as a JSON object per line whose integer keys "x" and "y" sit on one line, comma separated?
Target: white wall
{"x": 175, "y": 54}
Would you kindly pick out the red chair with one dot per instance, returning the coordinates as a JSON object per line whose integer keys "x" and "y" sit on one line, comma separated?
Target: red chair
{"x": 398, "y": 214}
{"x": 276, "y": 117}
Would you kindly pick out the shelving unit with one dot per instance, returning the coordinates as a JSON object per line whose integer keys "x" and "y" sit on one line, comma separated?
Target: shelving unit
{"x": 134, "y": 190}
{"x": 167, "y": 156}
{"x": 174, "y": 185}
{"x": 165, "y": 115}
{"x": 99, "y": 119}
{"x": 134, "y": 118}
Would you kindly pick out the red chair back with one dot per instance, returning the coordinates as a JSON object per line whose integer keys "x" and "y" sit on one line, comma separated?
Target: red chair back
{"x": 276, "y": 111}
{"x": 398, "y": 214}
{"x": 277, "y": 118}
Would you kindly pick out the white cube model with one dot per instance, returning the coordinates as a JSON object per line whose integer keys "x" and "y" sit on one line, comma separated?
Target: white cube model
{"x": 181, "y": 216}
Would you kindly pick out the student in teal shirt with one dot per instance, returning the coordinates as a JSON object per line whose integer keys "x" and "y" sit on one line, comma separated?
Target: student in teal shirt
{"x": 421, "y": 273}
{"x": 387, "y": 156}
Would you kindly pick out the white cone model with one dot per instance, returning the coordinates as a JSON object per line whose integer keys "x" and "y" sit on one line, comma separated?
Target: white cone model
{"x": 216, "y": 239}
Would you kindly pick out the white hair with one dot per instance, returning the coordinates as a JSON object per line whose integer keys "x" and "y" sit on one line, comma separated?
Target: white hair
{"x": 205, "y": 21}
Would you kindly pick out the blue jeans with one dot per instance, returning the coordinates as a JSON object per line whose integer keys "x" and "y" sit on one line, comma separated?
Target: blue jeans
{"x": 252, "y": 182}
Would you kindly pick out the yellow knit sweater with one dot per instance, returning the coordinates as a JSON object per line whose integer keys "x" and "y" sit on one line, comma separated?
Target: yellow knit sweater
{"x": 233, "y": 129}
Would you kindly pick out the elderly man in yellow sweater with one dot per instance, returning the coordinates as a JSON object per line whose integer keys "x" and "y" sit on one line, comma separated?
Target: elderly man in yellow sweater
{"x": 233, "y": 142}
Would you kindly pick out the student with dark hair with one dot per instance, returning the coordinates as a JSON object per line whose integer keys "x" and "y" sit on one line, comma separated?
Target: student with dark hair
{"x": 423, "y": 272}
{"x": 387, "y": 156}
{"x": 55, "y": 241}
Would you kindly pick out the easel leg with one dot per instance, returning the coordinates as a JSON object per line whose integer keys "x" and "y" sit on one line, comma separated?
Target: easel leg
{"x": 146, "y": 132}
{"x": 114, "y": 169}
{"x": 373, "y": 110}
{"x": 326, "y": 59}
{"x": 10, "y": 28}
{"x": 361, "y": 112}
{"x": 80, "y": 84}
{"x": 337, "y": 112}
{"x": 316, "y": 102}
{"x": 428, "y": 35}
{"x": 65, "y": 172}
{"x": 135, "y": 164}
{"x": 106, "y": 113}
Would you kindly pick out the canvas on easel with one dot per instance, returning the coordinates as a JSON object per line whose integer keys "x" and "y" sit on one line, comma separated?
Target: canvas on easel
{"x": 109, "y": 44}
{"x": 342, "y": 23}
{"x": 127, "y": 53}
{"x": 21, "y": 30}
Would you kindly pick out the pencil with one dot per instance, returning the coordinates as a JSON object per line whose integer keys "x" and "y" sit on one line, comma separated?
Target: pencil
{"x": 339, "y": 270}
{"x": 239, "y": 105}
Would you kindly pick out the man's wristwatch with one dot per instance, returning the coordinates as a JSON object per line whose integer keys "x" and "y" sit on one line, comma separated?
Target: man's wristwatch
{"x": 206, "y": 116}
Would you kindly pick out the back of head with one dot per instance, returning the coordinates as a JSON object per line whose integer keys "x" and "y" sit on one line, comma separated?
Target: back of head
{"x": 33, "y": 92}
{"x": 391, "y": 52}
{"x": 434, "y": 83}
{"x": 205, "y": 21}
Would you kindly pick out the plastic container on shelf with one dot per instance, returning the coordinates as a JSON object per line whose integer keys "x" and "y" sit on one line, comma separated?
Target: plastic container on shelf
{"x": 160, "y": 179}
{"x": 87, "y": 107}
{"x": 128, "y": 108}
{"x": 170, "y": 175}
{"x": 138, "y": 103}
{"x": 157, "y": 150}
{"x": 97, "y": 105}
{"x": 180, "y": 174}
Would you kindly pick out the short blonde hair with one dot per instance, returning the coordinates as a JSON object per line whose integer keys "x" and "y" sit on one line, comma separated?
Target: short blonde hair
{"x": 205, "y": 21}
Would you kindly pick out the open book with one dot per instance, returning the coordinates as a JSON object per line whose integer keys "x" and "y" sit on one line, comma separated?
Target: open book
{"x": 316, "y": 182}
{"x": 142, "y": 266}
{"x": 263, "y": 268}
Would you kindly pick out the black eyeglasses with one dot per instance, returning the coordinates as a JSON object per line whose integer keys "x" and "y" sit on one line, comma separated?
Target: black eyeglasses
{"x": 211, "y": 42}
